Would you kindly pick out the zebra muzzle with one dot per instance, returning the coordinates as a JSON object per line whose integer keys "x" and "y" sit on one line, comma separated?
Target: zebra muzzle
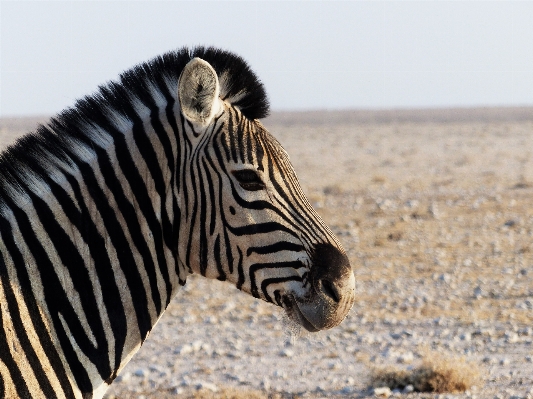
{"x": 332, "y": 291}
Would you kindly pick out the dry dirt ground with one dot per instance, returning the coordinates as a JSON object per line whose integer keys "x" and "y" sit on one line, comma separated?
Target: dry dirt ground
{"x": 435, "y": 210}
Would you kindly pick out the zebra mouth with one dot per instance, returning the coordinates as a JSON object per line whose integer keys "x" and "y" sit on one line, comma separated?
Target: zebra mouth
{"x": 295, "y": 314}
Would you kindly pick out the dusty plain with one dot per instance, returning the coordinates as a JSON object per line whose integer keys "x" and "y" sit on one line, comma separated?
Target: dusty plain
{"x": 435, "y": 211}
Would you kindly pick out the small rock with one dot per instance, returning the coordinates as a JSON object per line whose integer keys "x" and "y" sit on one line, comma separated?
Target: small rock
{"x": 334, "y": 366}
{"x": 124, "y": 377}
{"x": 406, "y": 358}
{"x": 287, "y": 353}
{"x": 210, "y": 320}
{"x": 184, "y": 350}
{"x": 228, "y": 307}
{"x": 511, "y": 337}
{"x": 395, "y": 335}
{"x": 156, "y": 368}
{"x": 504, "y": 362}
{"x": 526, "y": 331}
{"x": 140, "y": 373}
{"x": 466, "y": 337}
{"x": 197, "y": 345}
{"x": 408, "y": 389}
{"x": 207, "y": 385}
{"x": 265, "y": 384}
{"x": 207, "y": 348}
{"x": 280, "y": 374}
{"x": 348, "y": 390}
{"x": 412, "y": 203}
{"x": 382, "y": 392}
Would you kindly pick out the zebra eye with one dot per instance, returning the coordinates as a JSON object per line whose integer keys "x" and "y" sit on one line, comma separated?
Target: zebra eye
{"x": 249, "y": 179}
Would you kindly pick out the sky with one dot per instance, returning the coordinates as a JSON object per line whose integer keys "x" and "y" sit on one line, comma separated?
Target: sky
{"x": 309, "y": 54}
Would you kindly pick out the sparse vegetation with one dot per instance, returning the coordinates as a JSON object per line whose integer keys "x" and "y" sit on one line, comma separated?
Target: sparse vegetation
{"x": 437, "y": 373}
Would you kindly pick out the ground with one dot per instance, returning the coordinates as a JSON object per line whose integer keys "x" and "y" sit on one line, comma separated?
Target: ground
{"x": 435, "y": 211}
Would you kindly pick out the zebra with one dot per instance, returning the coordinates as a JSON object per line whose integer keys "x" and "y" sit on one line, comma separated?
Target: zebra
{"x": 109, "y": 206}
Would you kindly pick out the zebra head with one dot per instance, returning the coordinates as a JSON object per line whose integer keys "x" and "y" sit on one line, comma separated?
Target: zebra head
{"x": 244, "y": 216}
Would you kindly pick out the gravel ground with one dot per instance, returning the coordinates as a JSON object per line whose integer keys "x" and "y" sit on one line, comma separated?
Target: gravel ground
{"x": 434, "y": 210}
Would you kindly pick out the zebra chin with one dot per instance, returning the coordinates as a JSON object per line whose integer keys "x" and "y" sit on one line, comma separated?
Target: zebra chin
{"x": 331, "y": 294}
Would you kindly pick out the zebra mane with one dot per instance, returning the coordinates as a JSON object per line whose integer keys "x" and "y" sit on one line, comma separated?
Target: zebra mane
{"x": 146, "y": 84}
{"x": 238, "y": 84}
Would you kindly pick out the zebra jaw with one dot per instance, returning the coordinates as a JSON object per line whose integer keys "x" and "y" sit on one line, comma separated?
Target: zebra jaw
{"x": 293, "y": 313}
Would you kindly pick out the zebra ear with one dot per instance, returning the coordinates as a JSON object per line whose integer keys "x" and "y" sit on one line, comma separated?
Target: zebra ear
{"x": 198, "y": 92}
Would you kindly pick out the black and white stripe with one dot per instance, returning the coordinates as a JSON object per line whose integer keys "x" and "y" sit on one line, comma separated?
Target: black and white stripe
{"x": 106, "y": 209}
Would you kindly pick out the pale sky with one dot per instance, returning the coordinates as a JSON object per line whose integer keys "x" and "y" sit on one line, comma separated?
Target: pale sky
{"x": 309, "y": 54}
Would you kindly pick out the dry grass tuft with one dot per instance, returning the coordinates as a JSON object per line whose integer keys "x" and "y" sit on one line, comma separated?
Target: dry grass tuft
{"x": 437, "y": 373}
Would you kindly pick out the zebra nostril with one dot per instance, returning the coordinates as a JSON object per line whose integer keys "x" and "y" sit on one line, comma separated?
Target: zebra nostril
{"x": 329, "y": 289}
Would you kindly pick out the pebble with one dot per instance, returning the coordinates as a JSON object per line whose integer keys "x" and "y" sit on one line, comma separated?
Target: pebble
{"x": 511, "y": 337}
{"x": 406, "y": 358}
{"x": 265, "y": 384}
{"x": 206, "y": 385}
{"x": 334, "y": 366}
{"x": 287, "y": 353}
{"x": 123, "y": 377}
{"x": 382, "y": 392}
{"x": 184, "y": 350}
{"x": 280, "y": 374}
{"x": 488, "y": 360}
{"x": 466, "y": 337}
{"x": 140, "y": 373}
{"x": 348, "y": 390}
{"x": 197, "y": 345}
{"x": 408, "y": 389}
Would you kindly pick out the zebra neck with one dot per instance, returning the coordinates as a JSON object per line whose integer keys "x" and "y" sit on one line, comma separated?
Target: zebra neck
{"x": 88, "y": 243}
